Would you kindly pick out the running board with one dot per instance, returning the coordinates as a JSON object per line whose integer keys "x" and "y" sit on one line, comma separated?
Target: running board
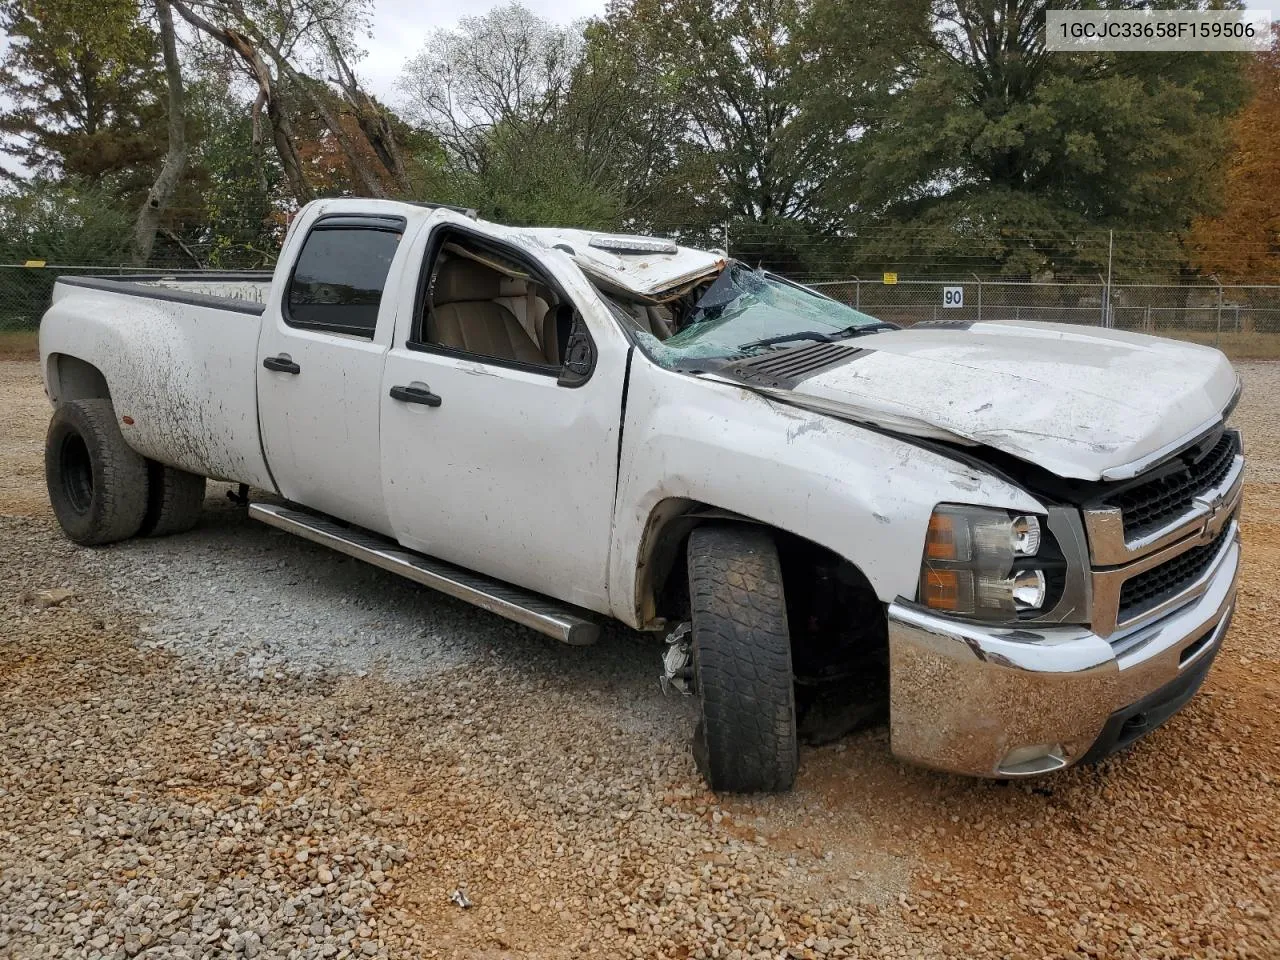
{"x": 555, "y": 619}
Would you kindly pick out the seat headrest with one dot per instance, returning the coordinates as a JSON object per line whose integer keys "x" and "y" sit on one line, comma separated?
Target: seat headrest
{"x": 459, "y": 279}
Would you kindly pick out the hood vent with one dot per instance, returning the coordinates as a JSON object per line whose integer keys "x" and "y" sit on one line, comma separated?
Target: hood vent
{"x": 784, "y": 369}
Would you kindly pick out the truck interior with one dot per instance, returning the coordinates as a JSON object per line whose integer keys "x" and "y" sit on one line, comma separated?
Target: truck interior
{"x": 483, "y": 303}
{"x": 656, "y": 319}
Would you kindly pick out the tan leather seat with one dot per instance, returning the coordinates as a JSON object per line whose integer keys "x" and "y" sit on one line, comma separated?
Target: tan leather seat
{"x": 527, "y": 300}
{"x": 465, "y": 314}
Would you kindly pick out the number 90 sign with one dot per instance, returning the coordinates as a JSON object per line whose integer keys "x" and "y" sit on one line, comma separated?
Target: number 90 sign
{"x": 953, "y": 296}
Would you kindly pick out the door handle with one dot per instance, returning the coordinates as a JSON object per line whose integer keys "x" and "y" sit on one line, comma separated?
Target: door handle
{"x": 281, "y": 364}
{"x": 416, "y": 395}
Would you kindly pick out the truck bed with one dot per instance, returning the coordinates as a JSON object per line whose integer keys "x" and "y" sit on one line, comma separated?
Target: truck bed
{"x": 233, "y": 290}
{"x": 179, "y": 354}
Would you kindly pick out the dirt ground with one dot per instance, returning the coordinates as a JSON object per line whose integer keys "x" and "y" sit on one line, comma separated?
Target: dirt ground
{"x": 156, "y": 802}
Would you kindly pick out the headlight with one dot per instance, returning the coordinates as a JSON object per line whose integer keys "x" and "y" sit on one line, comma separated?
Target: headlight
{"x": 985, "y": 563}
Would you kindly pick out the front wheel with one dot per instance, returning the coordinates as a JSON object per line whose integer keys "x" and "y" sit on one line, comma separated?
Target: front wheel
{"x": 746, "y": 736}
{"x": 97, "y": 482}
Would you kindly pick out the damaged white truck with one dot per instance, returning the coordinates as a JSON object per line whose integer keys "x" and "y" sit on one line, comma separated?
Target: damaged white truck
{"x": 1026, "y": 533}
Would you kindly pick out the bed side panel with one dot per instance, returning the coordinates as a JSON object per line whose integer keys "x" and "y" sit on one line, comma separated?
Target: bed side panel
{"x": 183, "y": 373}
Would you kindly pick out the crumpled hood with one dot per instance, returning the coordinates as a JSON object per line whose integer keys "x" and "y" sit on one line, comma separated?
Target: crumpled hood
{"x": 1076, "y": 401}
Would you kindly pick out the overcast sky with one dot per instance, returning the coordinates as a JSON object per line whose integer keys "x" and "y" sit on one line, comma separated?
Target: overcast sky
{"x": 401, "y": 26}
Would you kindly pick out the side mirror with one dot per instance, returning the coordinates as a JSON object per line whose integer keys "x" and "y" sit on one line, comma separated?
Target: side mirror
{"x": 579, "y": 356}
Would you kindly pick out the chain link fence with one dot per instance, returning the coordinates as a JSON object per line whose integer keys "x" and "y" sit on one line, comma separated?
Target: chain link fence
{"x": 25, "y": 291}
{"x": 1243, "y": 320}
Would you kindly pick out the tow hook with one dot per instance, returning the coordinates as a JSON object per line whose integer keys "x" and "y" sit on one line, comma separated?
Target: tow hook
{"x": 677, "y": 662}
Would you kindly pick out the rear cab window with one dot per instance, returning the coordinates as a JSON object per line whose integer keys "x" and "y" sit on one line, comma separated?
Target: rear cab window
{"x": 340, "y": 274}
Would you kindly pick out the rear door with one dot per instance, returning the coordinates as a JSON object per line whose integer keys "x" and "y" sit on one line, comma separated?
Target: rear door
{"x": 320, "y": 358}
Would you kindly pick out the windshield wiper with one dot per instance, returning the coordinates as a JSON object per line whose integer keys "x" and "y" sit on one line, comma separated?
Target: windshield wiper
{"x": 846, "y": 333}
{"x": 787, "y": 337}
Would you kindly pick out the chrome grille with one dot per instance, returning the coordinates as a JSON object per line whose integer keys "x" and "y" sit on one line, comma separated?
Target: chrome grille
{"x": 1149, "y": 506}
{"x": 1149, "y": 589}
{"x": 1153, "y": 541}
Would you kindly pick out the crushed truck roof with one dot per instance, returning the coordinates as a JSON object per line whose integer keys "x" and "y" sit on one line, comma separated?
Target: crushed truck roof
{"x": 647, "y": 272}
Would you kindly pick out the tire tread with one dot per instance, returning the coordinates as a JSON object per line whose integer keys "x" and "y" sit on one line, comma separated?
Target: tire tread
{"x": 120, "y": 482}
{"x": 175, "y": 502}
{"x": 742, "y": 648}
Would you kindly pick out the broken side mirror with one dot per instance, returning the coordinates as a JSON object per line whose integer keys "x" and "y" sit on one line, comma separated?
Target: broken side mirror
{"x": 579, "y": 356}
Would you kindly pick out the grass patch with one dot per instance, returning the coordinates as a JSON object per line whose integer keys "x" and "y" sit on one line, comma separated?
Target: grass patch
{"x": 1237, "y": 346}
{"x": 19, "y": 344}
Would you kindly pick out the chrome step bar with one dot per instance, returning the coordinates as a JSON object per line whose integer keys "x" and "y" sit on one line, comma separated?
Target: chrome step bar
{"x": 555, "y": 619}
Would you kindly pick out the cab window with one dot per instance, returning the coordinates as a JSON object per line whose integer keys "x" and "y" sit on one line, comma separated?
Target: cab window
{"x": 338, "y": 280}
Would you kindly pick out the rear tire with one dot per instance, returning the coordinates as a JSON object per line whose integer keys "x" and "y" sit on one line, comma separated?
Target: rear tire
{"x": 97, "y": 483}
{"x": 175, "y": 502}
{"x": 746, "y": 735}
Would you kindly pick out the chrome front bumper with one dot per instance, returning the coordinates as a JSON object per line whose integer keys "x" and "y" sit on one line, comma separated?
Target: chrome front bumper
{"x": 1007, "y": 702}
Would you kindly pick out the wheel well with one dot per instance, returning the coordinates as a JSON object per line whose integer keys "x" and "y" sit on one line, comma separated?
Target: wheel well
{"x": 832, "y": 608}
{"x": 837, "y": 622}
{"x": 838, "y": 626}
{"x": 76, "y": 379}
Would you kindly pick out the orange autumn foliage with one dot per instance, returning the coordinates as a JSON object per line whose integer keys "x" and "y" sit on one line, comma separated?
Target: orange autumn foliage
{"x": 327, "y": 167}
{"x": 1243, "y": 243}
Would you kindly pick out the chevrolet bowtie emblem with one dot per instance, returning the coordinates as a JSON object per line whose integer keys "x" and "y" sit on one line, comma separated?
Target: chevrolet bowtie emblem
{"x": 1214, "y": 507}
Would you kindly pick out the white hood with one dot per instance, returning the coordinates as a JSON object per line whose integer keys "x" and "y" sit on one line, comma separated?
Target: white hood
{"x": 1076, "y": 401}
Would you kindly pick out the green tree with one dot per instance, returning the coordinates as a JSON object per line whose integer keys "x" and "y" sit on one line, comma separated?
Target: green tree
{"x": 83, "y": 91}
{"x": 63, "y": 222}
{"x": 235, "y": 216}
{"x": 990, "y": 137}
{"x": 520, "y": 119}
{"x": 768, "y": 100}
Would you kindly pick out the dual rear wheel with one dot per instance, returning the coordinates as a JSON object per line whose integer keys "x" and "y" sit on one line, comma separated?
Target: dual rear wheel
{"x": 102, "y": 490}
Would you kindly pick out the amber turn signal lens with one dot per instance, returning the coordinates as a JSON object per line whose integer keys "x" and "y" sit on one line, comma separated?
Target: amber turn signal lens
{"x": 940, "y": 542}
{"x": 942, "y": 589}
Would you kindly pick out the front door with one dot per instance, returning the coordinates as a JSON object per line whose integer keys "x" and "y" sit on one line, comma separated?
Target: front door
{"x": 320, "y": 358}
{"x": 492, "y": 457}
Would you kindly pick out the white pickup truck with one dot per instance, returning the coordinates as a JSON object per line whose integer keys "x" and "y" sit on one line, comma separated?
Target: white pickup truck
{"x": 1023, "y": 534}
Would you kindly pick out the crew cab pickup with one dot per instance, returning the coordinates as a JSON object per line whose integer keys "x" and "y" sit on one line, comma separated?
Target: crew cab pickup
{"x": 1020, "y": 536}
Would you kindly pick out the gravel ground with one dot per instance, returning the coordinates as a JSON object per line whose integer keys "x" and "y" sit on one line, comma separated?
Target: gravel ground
{"x": 235, "y": 743}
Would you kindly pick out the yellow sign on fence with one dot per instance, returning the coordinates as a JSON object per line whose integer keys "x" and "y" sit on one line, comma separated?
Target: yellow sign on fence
{"x": 890, "y": 278}
{"x": 34, "y": 263}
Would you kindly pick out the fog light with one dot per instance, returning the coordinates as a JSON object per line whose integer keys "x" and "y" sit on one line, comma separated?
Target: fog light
{"x": 1028, "y": 761}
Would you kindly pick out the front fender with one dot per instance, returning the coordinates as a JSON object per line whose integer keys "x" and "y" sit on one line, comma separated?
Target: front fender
{"x": 864, "y": 495}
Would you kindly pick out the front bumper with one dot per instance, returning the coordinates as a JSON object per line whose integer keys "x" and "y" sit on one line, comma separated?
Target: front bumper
{"x": 1011, "y": 702}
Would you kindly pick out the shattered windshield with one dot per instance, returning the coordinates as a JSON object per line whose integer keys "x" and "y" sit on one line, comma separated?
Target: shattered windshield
{"x": 743, "y": 307}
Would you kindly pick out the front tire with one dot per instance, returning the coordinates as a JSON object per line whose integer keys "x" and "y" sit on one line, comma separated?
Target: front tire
{"x": 746, "y": 736}
{"x": 97, "y": 483}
